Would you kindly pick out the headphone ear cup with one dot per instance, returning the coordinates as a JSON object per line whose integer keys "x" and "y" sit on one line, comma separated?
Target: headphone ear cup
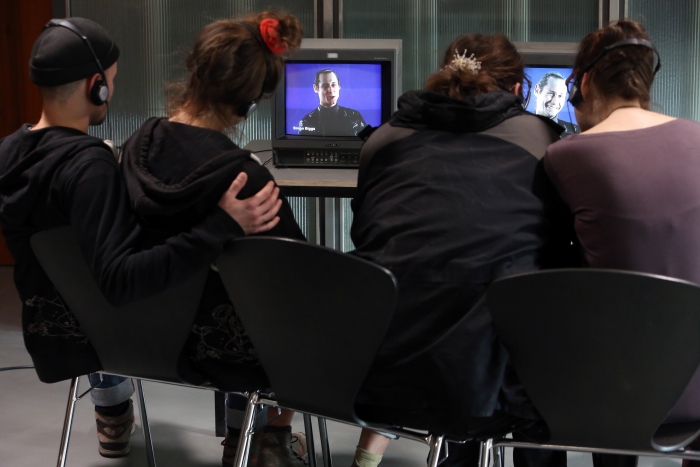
{"x": 575, "y": 96}
{"x": 99, "y": 92}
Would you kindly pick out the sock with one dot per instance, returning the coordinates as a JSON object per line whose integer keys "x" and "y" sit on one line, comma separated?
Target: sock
{"x": 113, "y": 410}
{"x": 366, "y": 459}
{"x": 233, "y": 432}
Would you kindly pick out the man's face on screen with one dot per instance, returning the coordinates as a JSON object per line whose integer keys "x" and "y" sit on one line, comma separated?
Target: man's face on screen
{"x": 328, "y": 89}
{"x": 550, "y": 97}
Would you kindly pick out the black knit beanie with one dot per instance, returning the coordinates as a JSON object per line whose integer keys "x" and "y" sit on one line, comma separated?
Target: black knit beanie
{"x": 60, "y": 56}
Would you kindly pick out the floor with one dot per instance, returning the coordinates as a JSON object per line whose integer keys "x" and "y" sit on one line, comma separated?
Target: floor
{"x": 182, "y": 419}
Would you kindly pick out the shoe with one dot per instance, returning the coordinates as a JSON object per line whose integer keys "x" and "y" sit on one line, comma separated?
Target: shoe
{"x": 268, "y": 449}
{"x": 275, "y": 449}
{"x": 299, "y": 446}
{"x": 114, "y": 433}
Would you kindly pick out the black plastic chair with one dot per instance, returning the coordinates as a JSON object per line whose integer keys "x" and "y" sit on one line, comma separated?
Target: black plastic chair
{"x": 142, "y": 340}
{"x": 316, "y": 318}
{"x": 604, "y": 355}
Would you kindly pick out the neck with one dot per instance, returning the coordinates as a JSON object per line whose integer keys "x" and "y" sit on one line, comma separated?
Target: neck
{"x": 603, "y": 109}
{"x": 65, "y": 116}
{"x": 202, "y": 121}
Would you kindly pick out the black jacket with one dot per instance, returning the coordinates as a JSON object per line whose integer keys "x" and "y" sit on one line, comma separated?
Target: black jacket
{"x": 59, "y": 176}
{"x": 451, "y": 196}
{"x": 335, "y": 121}
{"x": 176, "y": 174}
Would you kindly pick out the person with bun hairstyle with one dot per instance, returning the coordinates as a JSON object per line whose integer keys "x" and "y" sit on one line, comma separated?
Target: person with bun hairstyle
{"x": 176, "y": 168}
{"x": 451, "y": 196}
{"x": 631, "y": 177}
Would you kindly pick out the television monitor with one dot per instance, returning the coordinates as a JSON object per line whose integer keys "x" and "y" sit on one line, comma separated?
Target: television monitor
{"x": 331, "y": 89}
{"x": 548, "y": 65}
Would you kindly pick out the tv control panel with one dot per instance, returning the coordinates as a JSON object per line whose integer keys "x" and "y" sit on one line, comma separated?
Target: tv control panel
{"x": 317, "y": 158}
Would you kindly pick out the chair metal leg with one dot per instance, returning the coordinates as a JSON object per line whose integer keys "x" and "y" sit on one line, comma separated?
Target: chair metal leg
{"x": 68, "y": 421}
{"x": 435, "y": 443}
{"x": 485, "y": 457}
{"x": 246, "y": 431}
{"x": 310, "y": 446}
{"x": 499, "y": 456}
{"x": 325, "y": 445}
{"x": 148, "y": 441}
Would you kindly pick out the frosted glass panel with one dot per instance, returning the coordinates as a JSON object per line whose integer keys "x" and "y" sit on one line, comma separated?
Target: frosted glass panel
{"x": 676, "y": 34}
{"x": 428, "y": 26}
{"x": 154, "y": 37}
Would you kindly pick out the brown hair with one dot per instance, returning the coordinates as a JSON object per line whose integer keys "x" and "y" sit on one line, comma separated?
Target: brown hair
{"x": 626, "y": 71}
{"x": 228, "y": 67}
{"x": 501, "y": 67}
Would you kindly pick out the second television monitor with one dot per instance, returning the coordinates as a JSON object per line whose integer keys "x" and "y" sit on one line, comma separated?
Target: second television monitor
{"x": 331, "y": 90}
{"x": 548, "y": 65}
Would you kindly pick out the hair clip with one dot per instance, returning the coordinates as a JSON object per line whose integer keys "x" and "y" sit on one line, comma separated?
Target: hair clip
{"x": 462, "y": 62}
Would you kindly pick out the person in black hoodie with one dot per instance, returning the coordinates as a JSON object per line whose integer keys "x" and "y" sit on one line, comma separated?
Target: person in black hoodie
{"x": 53, "y": 174}
{"x": 177, "y": 167}
{"x": 452, "y": 196}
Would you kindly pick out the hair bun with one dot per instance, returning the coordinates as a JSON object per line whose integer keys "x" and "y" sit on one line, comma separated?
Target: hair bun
{"x": 288, "y": 29}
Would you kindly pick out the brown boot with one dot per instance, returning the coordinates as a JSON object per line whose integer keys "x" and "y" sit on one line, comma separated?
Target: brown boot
{"x": 114, "y": 433}
{"x": 274, "y": 448}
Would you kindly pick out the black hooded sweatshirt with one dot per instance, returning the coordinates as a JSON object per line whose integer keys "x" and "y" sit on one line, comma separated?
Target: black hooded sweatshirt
{"x": 175, "y": 174}
{"x": 451, "y": 196}
{"x": 60, "y": 176}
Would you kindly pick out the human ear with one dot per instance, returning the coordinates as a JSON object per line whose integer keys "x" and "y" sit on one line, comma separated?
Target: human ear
{"x": 516, "y": 89}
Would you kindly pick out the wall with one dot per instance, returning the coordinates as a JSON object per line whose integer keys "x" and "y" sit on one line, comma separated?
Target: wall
{"x": 21, "y": 23}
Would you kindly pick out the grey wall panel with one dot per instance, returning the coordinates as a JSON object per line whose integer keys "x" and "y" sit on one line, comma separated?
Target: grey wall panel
{"x": 428, "y": 26}
{"x": 676, "y": 34}
{"x": 155, "y": 37}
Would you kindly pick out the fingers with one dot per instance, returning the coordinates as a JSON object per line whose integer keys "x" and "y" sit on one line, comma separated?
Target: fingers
{"x": 237, "y": 185}
{"x": 269, "y": 202}
{"x": 267, "y": 226}
{"x": 262, "y": 195}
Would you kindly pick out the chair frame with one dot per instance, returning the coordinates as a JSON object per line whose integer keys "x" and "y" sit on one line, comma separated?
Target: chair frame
{"x": 68, "y": 255}
{"x": 587, "y": 281}
{"x": 288, "y": 254}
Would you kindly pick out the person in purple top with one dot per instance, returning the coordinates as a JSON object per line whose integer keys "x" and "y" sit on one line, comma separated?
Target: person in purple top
{"x": 631, "y": 177}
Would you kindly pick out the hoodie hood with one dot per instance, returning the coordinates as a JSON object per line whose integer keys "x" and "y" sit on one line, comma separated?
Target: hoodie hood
{"x": 428, "y": 110}
{"x": 28, "y": 160}
{"x": 172, "y": 168}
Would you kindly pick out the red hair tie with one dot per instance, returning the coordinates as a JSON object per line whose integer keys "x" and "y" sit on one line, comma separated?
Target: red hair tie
{"x": 268, "y": 31}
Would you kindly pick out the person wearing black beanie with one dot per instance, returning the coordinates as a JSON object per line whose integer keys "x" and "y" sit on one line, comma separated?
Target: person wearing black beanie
{"x": 54, "y": 174}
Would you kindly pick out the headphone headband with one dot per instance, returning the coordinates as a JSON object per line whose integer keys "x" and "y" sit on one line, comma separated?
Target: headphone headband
{"x": 246, "y": 109}
{"x": 575, "y": 96}
{"x": 99, "y": 92}
{"x": 623, "y": 43}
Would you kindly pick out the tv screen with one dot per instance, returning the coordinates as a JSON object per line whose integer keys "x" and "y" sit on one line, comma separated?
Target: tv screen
{"x": 549, "y": 96}
{"x": 331, "y": 90}
{"x": 332, "y": 99}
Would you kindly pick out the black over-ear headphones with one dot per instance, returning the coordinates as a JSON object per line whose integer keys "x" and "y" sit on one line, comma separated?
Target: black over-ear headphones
{"x": 99, "y": 92}
{"x": 575, "y": 95}
{"x": 247, "y": 108}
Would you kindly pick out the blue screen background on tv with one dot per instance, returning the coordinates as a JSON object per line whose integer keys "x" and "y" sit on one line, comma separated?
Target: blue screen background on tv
{"x": 535, "y": 74}
{"x": 360, "y": 89}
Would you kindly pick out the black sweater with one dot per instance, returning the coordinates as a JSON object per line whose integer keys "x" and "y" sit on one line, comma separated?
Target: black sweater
{"x": 176, "y": 173}
{"x": 60, "y": 176}
{"x": 451, "y": 196}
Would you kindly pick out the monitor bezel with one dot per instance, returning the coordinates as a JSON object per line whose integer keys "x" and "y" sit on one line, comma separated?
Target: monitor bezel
{"x": 347, "y": 50}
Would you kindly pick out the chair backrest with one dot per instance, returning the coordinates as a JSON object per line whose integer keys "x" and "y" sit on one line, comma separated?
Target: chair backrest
{"x": 315, "y": 316}
{"x": 603, "y": 354}
{"x": 143, "y": 339}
